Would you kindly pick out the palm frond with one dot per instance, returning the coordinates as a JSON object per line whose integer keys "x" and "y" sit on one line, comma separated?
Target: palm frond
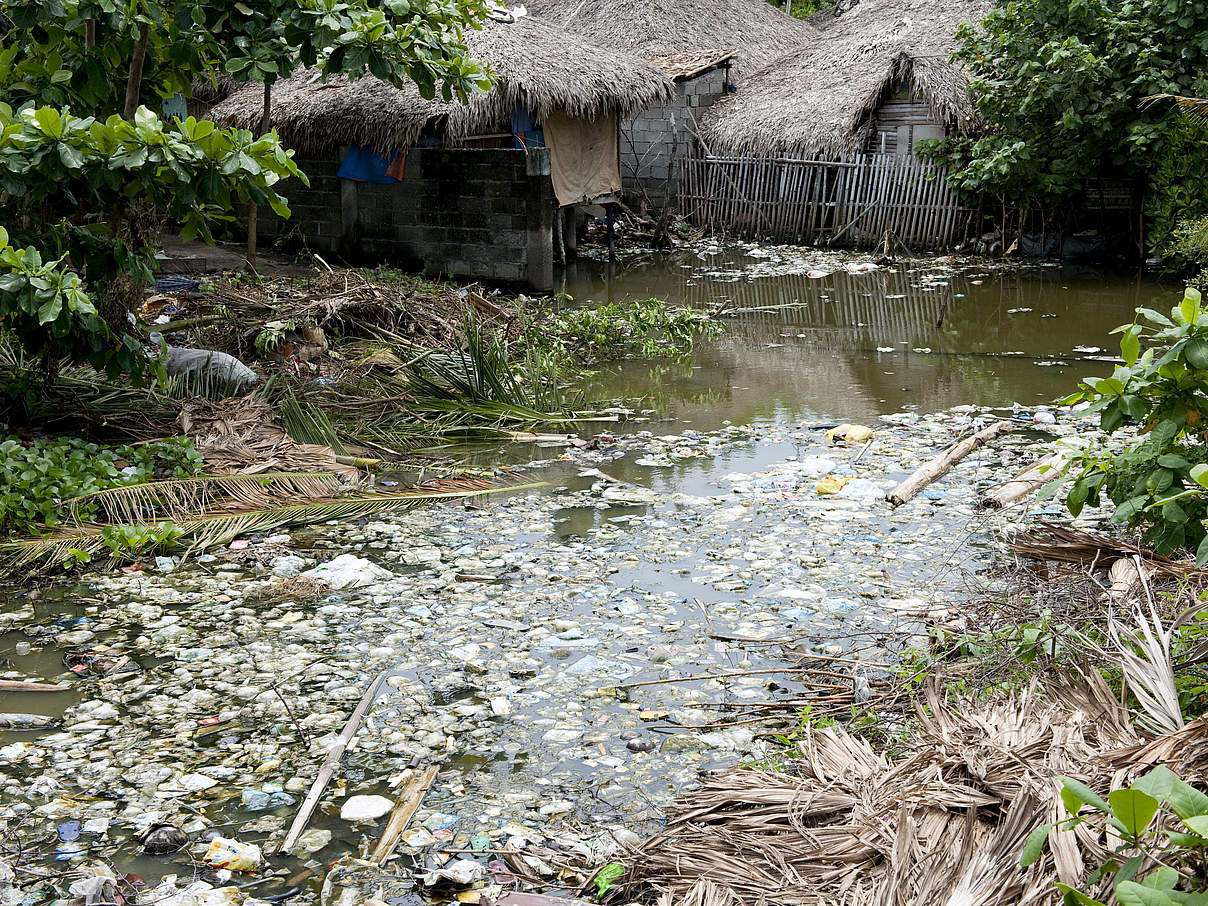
{"x": 1144, "y": 655}
{"x": 182, "y": 498}
{"x": 206, "y": 531}
{"x": 1195, "y": 109}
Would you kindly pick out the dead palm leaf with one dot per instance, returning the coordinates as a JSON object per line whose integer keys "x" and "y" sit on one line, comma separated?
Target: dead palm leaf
{"x": 207, "y": 531}
{"x": 183, "y": 498}
{"x": 1195, "y": 109}
{"x": 1145, "y": 658}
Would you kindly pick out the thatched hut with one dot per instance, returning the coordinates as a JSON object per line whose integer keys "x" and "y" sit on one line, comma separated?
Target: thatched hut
{"x": 879, "y": 79}
{"x": 820, "y": 144}
{"x": 707, "y": 46}
{"x": 753, "y": 32}
{"x": 463, "y": 188}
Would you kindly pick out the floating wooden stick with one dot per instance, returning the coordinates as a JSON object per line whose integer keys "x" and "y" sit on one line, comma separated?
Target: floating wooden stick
{"x": 1023, "y": 484}
{"x": 937, "y": 466}
{"x": 12, "y": 685}
{"x": 27, "y": 721}
{"x": 328, "y": 769}
{"x": 409, "y": 799}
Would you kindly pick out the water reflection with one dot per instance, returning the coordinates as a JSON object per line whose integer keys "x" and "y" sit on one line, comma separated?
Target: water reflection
{"x": 925, "y": 333}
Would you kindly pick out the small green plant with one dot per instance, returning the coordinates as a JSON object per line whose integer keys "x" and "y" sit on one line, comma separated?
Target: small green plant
{"x": 1152, "y": 865}
{"x": 272, "y": 335}
{"x": 646, "y": 329}
{"x": 1158, "y": 483}
{"x": 607, "y": 877}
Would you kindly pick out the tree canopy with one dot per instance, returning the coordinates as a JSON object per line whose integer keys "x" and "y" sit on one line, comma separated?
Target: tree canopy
{"x": 1061, "y": 85}
{"x": 89, "y": 170}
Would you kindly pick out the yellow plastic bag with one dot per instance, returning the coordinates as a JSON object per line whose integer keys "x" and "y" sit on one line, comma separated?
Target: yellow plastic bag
{"x": 225, "y": 853}
{"x": 830, "y": 485}
{"x": 857, "y": 434}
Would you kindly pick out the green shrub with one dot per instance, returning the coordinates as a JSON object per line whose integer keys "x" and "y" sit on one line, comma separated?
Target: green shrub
{"x": 37, "y": 477}
{"x": 646, "y": 329}
{"x": 1159, "y": 481}
{"x": 1151, "y": 865}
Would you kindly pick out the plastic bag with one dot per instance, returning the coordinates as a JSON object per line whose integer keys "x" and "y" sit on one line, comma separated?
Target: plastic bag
{"x": 226, "y": 853}
{"x": 857, "y": 434}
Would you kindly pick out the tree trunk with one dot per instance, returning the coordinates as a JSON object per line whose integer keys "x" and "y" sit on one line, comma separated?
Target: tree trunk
{"x": 253, "y": 214}
{"x": 90, "y": 35}
{"x": 134, "y": 82}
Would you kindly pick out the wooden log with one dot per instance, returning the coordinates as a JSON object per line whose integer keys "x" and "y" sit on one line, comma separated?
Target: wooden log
{"x": 16, "y": 721}
{"x": 328, "y": 769}
{"x": 12, "y": 685}
{"x": 938, "y": 465}
{"x": 409, "y": 799}
{"x": 1029, "y": 480}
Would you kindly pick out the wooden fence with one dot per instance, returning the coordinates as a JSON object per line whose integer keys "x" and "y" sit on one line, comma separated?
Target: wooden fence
{"x": 853, "y": 200}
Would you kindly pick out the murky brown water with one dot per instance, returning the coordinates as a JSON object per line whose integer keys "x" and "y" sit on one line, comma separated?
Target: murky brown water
{"x": 923, "y": 334}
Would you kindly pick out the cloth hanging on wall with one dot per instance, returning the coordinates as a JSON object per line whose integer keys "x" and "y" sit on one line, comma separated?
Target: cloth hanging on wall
{"x": 363, "y": 165}
{"x": 583, "y": 157}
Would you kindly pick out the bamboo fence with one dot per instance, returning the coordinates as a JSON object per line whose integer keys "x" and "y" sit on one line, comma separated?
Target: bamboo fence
{"x": 855, "y": 200}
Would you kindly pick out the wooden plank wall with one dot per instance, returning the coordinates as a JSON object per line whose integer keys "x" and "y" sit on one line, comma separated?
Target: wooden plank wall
{"x": 850, "y": 201}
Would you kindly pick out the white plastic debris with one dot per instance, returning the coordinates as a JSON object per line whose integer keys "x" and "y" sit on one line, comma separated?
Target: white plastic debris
{"x": 349, "y": 571}
{"x": 365, "y": 808}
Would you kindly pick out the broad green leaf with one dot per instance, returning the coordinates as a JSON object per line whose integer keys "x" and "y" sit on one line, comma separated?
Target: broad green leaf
{"x": 1073, "y": 895}
{"x": 1034, "y": 845}
{"x": 1130, "y": 893}
{"x": 1196, "y": 354}
{"x": 1162, "y": 879}
{"x": 1157, "y": 782}
{"x": 1199, "y": 474}
{"x": 1172, "y": 461}
{"x": 1185, "y": 800}
{"x": 1189, "y": 307}
{"x": 1074, "y": 794}
{"x": 607, "y": 876}
{"x": 1130, "y": 346}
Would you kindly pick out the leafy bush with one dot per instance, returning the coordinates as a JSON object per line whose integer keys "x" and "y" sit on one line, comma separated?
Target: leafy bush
{"x": 1189, "y": 250}
{"x": 645, "y": 329}
{"x": 1152, "y": 865}
{"x": 1159, "y": 482}
{"x": 37, "y": 477}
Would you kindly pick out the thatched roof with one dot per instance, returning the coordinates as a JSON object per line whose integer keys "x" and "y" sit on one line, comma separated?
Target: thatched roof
{"x": 688, "y": 64}
{"x": 820, "y": 99}
{"x": 754, "y": 30}
{"x": 537, "y": 65}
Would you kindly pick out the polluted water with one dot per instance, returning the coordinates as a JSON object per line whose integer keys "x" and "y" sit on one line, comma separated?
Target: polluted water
{"x": 565, "y": 660}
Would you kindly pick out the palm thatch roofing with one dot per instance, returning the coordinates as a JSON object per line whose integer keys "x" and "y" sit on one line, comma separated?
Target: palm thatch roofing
{"x": 537, "y": 66}
{"x": 820, "y": 99}
{"x": 753, "y": 30}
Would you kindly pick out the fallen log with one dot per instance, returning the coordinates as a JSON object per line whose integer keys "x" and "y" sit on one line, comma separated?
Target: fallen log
{"x": 27, "y": 721}
{"x": 1023, "y": 484}
{"x": 408, "y": 803}
{"x": 938, "y": 465}
{"x": 328, "y": 769}
{"x": 12, "y": 685}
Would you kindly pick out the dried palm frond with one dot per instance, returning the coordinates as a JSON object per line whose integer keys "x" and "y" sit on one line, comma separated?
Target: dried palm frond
{"x": 1145, "y": 657}
{"x": 211, "y": 530}
{"x": 1196, "y": 109}
{"x": 1063, "y": 544}
{"x": 183, "y": 498}
{"x": 942, "y": 824}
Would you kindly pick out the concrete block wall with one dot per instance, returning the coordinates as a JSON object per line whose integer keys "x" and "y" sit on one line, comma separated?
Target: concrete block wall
{"x": 652, "y": 140}
{"x": 476, "y": 214}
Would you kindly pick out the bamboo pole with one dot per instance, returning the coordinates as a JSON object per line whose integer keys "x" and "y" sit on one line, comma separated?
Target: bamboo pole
{"x": 10, "y": 685}
{"x": 938, "y": 465}
{"x": 408, "y": 803}
{"x": 328, "y": 769}
{"x": 1029, "y": 480}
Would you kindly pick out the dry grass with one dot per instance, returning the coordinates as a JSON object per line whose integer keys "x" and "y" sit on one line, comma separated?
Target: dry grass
{"x": 942, "y": 824}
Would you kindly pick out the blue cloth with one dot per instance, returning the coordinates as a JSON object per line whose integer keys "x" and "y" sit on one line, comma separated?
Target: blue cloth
{"x": 363, "y": 165}
{"x": 525, "y": 133}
